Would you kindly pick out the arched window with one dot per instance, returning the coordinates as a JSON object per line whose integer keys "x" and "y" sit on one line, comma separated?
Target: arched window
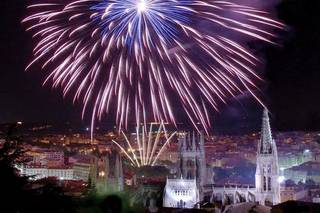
{"x": 269, "y": 168}
{"x": 189, "y": 175}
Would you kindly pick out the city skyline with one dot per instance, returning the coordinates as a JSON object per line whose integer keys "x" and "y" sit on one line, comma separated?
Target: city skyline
{"x": 160, "y": 106}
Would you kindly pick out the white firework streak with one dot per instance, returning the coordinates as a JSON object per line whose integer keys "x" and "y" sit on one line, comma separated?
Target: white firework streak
{"x": 137, "y": 59}
{"x": 146, "y": 153}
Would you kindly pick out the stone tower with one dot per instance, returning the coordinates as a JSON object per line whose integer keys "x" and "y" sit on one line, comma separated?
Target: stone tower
{"x": 109, "y": 175}
{"x": 118, "y": 173}
{"x": 102, "y": 174}
{"x": 192, "y": 163}
{"x": 267, "y": 171}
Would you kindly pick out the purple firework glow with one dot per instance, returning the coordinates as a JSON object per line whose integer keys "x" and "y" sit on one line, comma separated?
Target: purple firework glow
{"x": 138, "y": 57}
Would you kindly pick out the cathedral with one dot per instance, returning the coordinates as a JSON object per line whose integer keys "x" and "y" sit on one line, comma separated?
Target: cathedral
{"x": 194, "y": 182}
{"x": 108, "y": 173}
{"x": 267, "y": 171}
{"x": 188, "y": 189}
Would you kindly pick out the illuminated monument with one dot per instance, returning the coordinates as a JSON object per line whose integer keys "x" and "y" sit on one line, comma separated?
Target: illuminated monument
{"x": 109, "y": 173}
{"x": 188, "y": 190}
{"x": 181, "y": 193}
{"x": 267, "y": 172}
{"x": 194, "y": 183}
{"x": 192, "y": 163}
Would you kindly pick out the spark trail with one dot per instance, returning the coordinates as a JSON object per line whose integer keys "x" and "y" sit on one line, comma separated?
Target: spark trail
{"x": 141, "y": 60}
{"x": 146, "y": 152}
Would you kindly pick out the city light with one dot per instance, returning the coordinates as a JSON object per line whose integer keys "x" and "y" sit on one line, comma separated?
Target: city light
{"x": 167, "y": 97}
{"x": 102, "y": 174}
{"x": 281, "y": 179}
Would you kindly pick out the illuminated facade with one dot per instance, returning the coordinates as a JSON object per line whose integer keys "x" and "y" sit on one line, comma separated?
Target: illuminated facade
{"x": 188, "y": 190}
{"x": 109, "y": 173}
{"x": 192, "y": 163}
{"x": 62, "y": 173}
{"x": 83, "y": 171}
{"x": 181, "y": 193}
{"x": 267, "y": 172}
{"x": 194, "y": 183}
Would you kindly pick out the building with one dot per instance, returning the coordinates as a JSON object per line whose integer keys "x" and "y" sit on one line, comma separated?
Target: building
{"x": 288, "y": 160}
{"x": 295, "y": 175}
{"x": 293, "y": 193}
{"x": 181, "y": 193}
{"x": 194, "y": 178}
{"x": 62, "y": 173}
{"x": 267, "y": 171}
{"x": 109, "y": 173}
{"x": 189, "y": 189}
{"x": 306, "y": 171}
{"x": 84, "y": 170}
{"x": 104, "y": 172}
{"x": 171, "y": 156}
{"x": 192, "y": 163}
{"x": 316, "y": 200}
{"x": 48, "y": 159}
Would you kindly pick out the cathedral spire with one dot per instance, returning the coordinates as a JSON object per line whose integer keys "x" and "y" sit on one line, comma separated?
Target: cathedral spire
{"x": 267, "y": 172}
{"x": 107, "y": 166}
{"x": 117, "y": 167}
{"x": 120, "y": 178}
{"x": 184, "y": 143}
{"x": 201, "y": 141}
{"x": 120, "y": 167}
{"x": 193, "y": 141}
{"x": 265, "y": 143}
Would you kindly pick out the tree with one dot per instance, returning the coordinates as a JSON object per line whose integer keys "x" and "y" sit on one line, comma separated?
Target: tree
{"x": 18, "y": 193}
{"x": 13, "y": 187}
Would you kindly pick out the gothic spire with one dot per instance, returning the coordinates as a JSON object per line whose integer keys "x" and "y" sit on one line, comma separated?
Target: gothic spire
{"x": 193, "y": 141}
{"x": 201, "y": 141}
{"x": 107, "y": 166}
{"x": 120, "y": 167}
{"x": 188, "y": 147}
{"x": 183, "y": 145}
{"x": 265, "y": 144}
{"x": 117, "y": 166}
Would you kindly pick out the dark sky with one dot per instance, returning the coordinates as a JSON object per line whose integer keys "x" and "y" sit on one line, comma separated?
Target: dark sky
{"x": 292, "y": 88}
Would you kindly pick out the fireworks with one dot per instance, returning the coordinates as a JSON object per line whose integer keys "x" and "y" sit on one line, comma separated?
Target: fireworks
{"x": 142, "y": 60}
{"x": 146, "y": 153}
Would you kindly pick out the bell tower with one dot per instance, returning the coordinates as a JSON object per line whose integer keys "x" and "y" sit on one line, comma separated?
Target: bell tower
{"x": 267, "y": 171}
{"x": 192, "y": 159}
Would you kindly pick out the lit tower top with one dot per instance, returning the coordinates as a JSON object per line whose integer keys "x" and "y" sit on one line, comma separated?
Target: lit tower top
{"x": 266, "y": 143}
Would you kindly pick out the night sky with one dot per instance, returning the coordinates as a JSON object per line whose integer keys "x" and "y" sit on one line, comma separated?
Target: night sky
{"x": 291, "y": 90}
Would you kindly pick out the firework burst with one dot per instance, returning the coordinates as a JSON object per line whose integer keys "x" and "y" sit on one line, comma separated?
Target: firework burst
{"x": 140, "y": 60}
{"x": 145, "y": 152}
